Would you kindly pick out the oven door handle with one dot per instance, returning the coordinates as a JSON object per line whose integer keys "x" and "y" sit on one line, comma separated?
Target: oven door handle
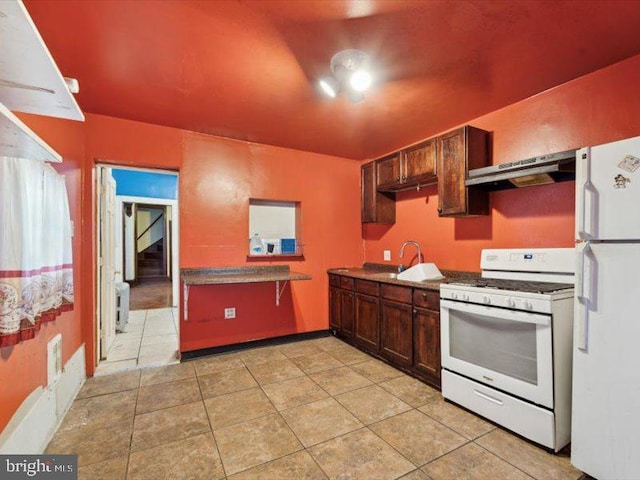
{"x": 499, "y": 313}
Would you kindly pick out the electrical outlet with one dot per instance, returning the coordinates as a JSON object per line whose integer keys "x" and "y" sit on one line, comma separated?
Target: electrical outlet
{"x": 229, "y": 313}
{"x": 387, "y": 255}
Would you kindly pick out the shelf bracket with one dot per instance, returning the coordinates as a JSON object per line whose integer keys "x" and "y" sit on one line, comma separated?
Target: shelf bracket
{"x": 185, "y": 299}
{"x": 280, "y": 292}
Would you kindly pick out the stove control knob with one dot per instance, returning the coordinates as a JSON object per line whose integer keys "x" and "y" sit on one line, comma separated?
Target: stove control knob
{"x": 528, "y": 306}
{"x": 486, "y": 300}
{"x": 511, "y": 302}
{"x": 465, "y": 297}
{"x": 454, "y": 295}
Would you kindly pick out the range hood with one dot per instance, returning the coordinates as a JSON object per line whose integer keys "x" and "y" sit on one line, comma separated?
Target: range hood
{"x": 556, "y": 167}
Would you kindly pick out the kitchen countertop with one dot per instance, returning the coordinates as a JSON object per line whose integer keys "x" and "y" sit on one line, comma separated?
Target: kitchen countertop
{"x": 380, "y": 273}
{"x": 227, "y": 275}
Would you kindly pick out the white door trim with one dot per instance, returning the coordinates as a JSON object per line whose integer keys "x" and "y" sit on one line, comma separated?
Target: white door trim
{"x": 106, "y": 258}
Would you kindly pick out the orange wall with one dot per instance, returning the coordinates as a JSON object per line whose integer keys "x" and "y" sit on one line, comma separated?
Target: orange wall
{"x": 257, "y": 315}
{"x": 597, "y": 108}
{"x": 23, "y": 367}
{"x": 217, "y": 178}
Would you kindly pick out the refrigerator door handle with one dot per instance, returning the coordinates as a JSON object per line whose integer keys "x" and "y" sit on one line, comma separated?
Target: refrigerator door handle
{"x": 582, "y": 311}
{"x": 582, "y": 333}
{"x": 581, "y": 254}
{"x": 584, "y": 169}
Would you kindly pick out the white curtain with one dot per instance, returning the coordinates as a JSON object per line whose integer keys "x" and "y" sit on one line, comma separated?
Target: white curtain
{"x": 36, "y": 271}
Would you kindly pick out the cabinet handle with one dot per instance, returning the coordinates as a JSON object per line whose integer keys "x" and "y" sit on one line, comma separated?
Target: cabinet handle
{"x": 404, "y": 177}
{"x": 424, "y": 295}
{"x": 415, "y": 311}
{"x": 398, "y": 178}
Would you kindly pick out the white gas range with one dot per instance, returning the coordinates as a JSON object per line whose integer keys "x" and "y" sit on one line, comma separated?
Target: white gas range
{"x": 506, "y": 342}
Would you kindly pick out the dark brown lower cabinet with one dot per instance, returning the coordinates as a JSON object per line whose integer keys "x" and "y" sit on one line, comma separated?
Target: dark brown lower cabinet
{"x": 334, "y": 308}
{"x": 367, "y": 328}
{"x": 426, "y": 340}
{"x": 341, "y": 311}
{"x": 396, "y": 332}
{"x": 398, "y": 324}
{"x": 347, "y": 313}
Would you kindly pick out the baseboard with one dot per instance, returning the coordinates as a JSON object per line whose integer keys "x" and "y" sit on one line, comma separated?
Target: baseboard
{"x": 38, "y": 417}
{"x": 254, "y": 343}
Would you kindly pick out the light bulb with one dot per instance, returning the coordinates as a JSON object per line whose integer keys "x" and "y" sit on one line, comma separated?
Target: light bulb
{"x": 360, "y": 80}
{"x": 328, "y": 87}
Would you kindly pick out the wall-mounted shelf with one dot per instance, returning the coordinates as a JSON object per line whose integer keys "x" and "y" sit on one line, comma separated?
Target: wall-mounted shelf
{"x": 18, "y": 140}
{"x": 30, "y": 80}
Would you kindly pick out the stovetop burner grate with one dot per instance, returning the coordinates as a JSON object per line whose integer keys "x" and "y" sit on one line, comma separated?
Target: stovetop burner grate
{"x": 514, "y": 285}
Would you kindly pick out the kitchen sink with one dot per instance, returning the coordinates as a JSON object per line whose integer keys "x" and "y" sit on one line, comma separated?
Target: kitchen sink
{"x": 385, "y": 275}
{"x": 421, "y": 272}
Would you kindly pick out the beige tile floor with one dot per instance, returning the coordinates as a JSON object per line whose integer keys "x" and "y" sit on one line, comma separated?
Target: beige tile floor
{"x": 310, "y": 410}
{"x": 150, "y": 340}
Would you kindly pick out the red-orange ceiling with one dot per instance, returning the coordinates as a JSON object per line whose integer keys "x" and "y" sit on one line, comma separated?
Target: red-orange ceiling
{"x": 248, "y": 69}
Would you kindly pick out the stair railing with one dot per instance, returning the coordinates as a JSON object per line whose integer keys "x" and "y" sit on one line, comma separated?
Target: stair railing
{"x": 149, "y": 227}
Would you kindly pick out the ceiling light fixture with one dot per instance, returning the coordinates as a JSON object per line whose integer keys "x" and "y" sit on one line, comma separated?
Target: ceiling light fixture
{"x": 350, "y": 69}
{"x": 360, "y": 80}
{"x": 329, "y": 86}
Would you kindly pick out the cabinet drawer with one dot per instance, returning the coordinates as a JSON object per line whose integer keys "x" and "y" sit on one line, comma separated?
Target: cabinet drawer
{"x": 346, "y": 283}
{"x": 334, "y": 280}
{"x": 395, "y": 293}
{"x": 426, "y": 299}
{"x": 367, "y": 287}
{"x": 528, "y": 420}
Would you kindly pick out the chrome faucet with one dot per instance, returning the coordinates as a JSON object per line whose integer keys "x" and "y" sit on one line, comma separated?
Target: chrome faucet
{"x": 410, "y": 242}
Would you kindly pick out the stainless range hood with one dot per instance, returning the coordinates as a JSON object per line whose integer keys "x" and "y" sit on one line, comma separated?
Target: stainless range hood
{"x": 556, "y": 167}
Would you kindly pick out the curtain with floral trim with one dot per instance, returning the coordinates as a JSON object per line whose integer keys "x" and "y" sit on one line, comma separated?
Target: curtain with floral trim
{"x": 36, "y": 271}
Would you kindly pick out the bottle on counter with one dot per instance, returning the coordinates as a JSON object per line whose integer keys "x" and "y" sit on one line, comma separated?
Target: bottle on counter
{"x": 255, "y": 245}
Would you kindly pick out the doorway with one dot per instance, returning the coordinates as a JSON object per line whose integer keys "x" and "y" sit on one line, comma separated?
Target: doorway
{"x": 147, "y": 253}
{"x": 138, "y": 268}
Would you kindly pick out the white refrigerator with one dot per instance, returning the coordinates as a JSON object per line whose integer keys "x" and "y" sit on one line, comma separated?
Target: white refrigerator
{"x": 606, "y": 358}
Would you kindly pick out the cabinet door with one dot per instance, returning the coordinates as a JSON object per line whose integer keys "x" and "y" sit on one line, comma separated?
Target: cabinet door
{"x": 347, "y": 313}
{"x": 419, "y": 164}
{"x": 388, "y": 172}
{"x": 452, "y": 168}
{"x": 460, "y": 150}
{"x": 334, "y": 308}
{"x": 396, "y": 333}
{"x": 375, "y": 207}
{"x": 367, "y": 329}
{"x": 426, "y": 334}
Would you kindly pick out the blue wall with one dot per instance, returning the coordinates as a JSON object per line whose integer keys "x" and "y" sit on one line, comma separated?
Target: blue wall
{"x": 136, "y": 183}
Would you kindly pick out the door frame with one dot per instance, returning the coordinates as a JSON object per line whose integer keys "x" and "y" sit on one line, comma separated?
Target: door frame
{"x": 175, "y": 233}
{"x": 175, "y": 238}
{"x": 101, "y": 195}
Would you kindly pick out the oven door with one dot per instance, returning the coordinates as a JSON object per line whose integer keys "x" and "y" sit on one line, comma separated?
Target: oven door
{"x": 507, "y": 349}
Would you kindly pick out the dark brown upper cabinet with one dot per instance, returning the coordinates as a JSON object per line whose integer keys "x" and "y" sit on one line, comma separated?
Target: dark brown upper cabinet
{"x": 458, "y": 152}
{"x": 375, "y": 206}
{"x": 408, "y": 168}
{"x": 388, "y": 172}
{"x": 419, "y": 164}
